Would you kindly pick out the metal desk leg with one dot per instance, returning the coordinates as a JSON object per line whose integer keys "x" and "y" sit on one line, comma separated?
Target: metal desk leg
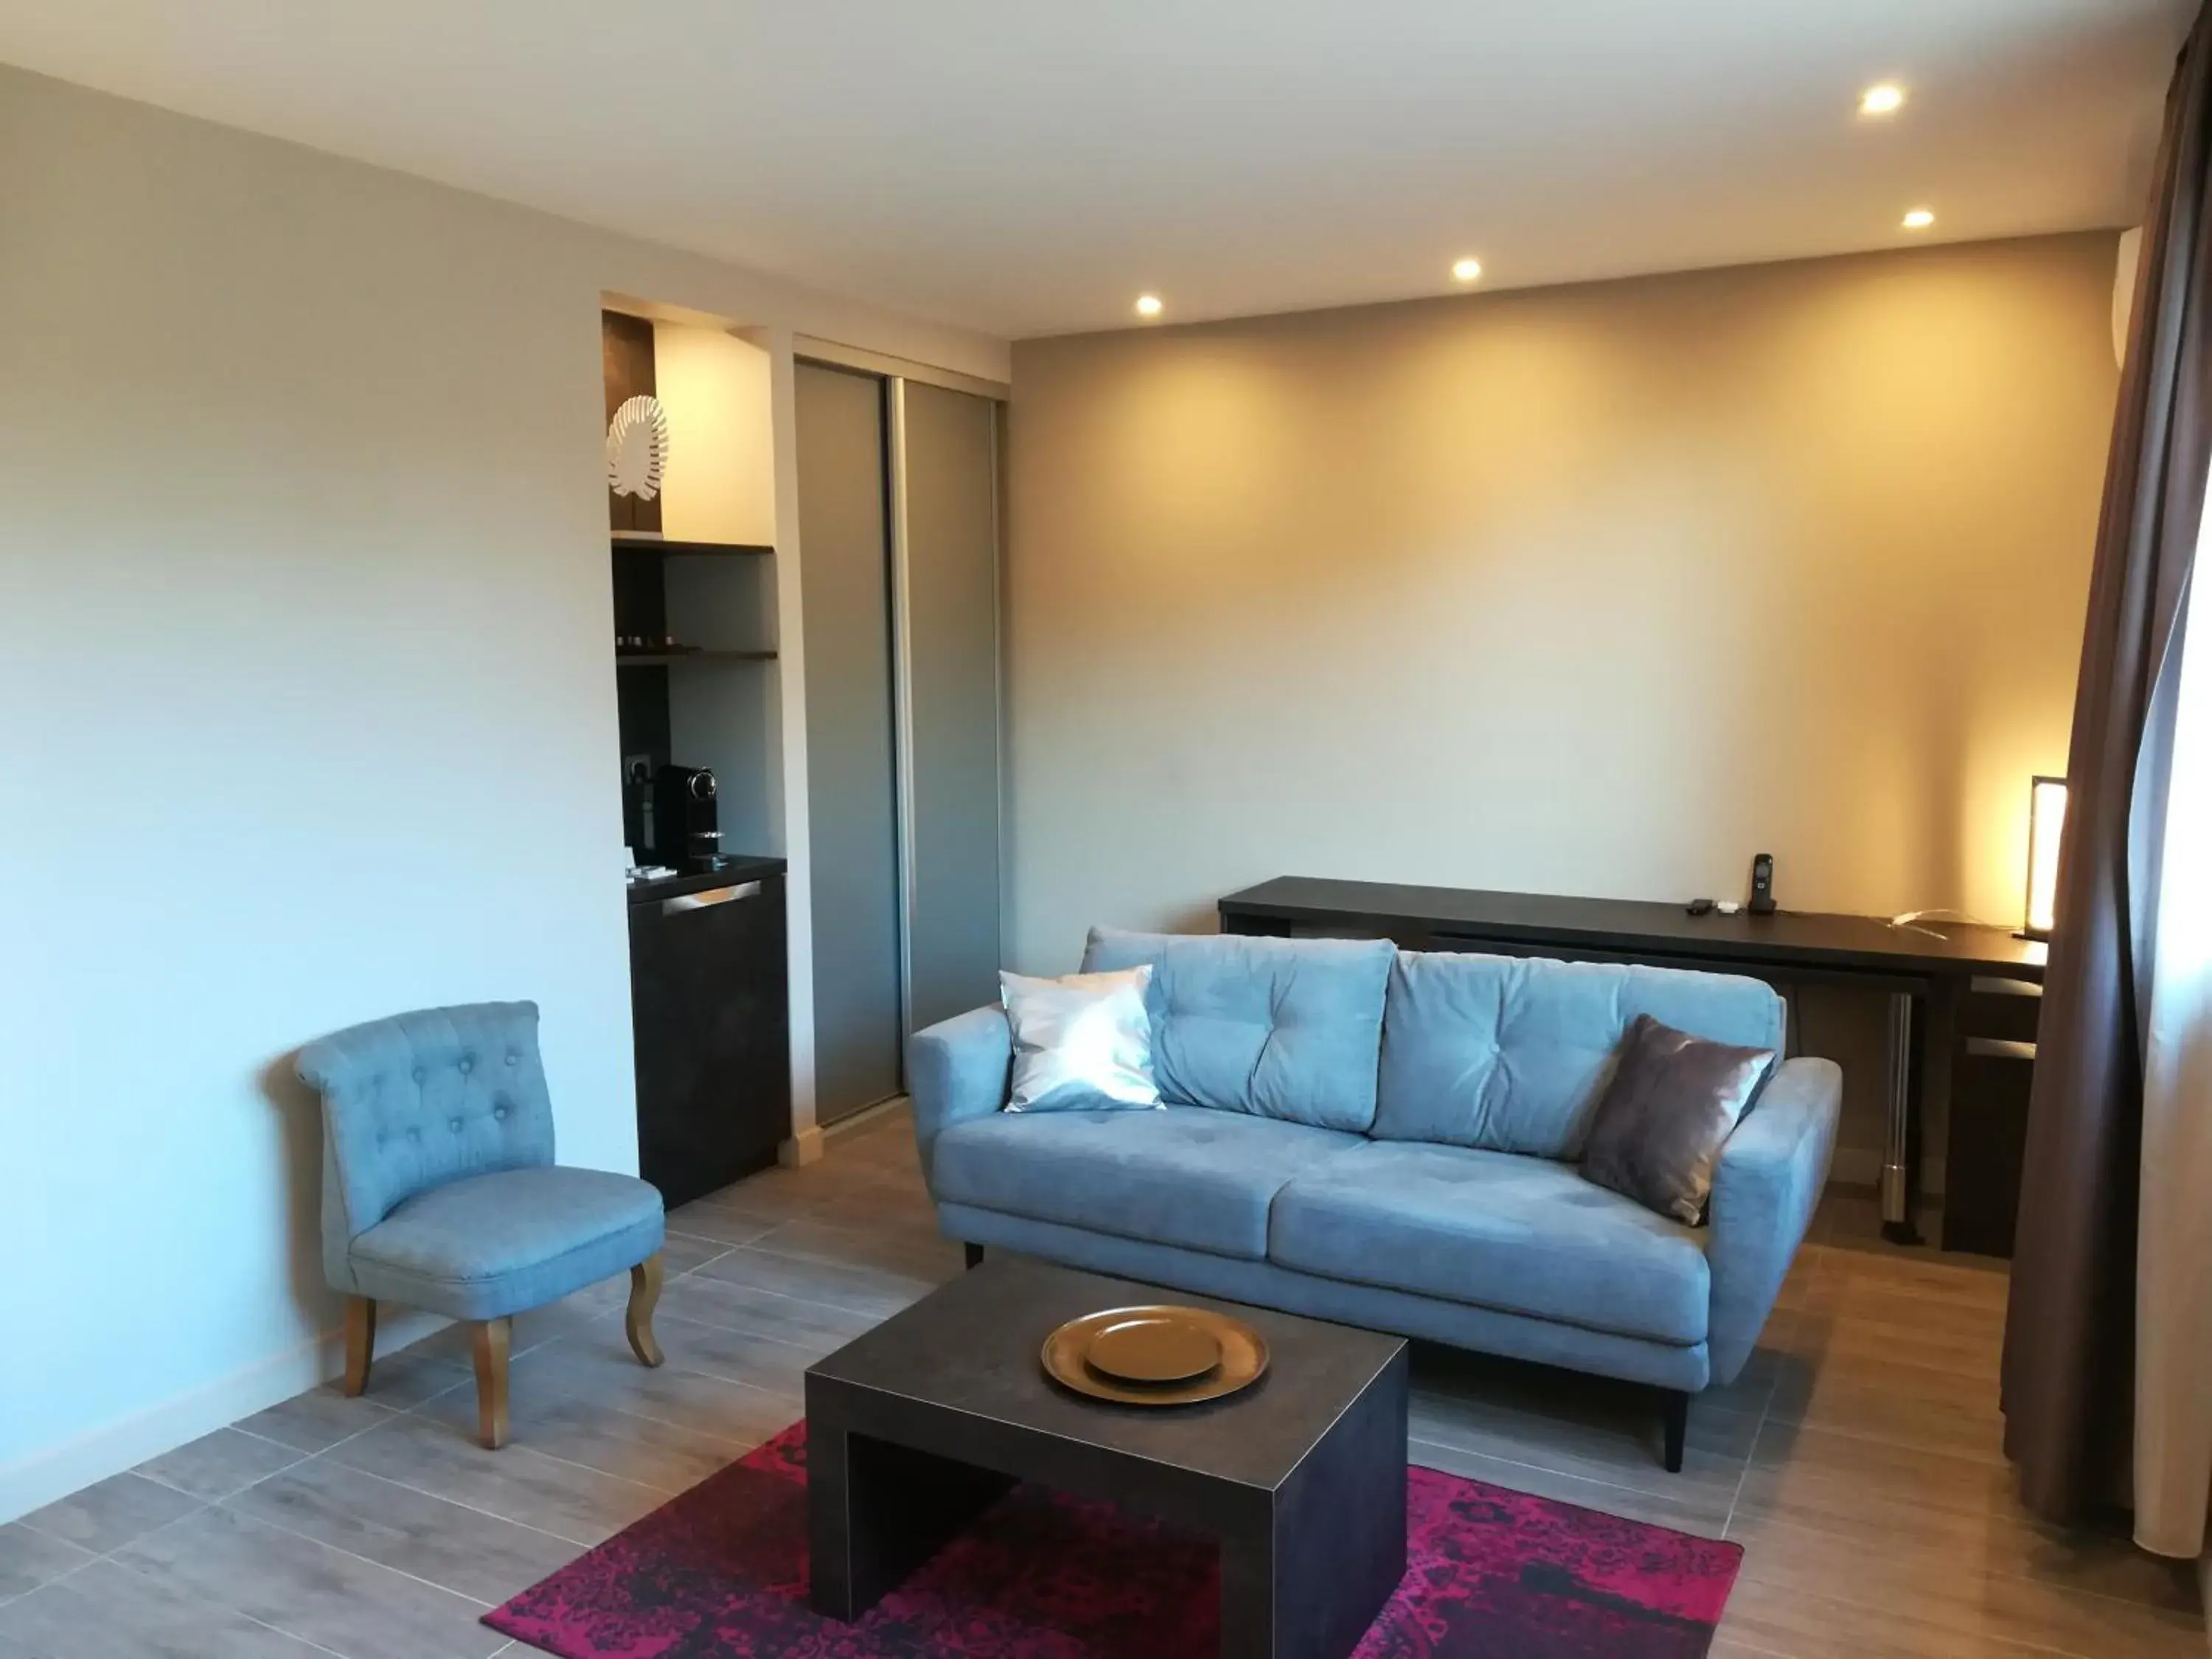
{"x": 1897, "y": 1149}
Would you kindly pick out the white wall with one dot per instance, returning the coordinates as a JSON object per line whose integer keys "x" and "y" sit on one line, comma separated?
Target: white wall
{"x": 307, "y": 714}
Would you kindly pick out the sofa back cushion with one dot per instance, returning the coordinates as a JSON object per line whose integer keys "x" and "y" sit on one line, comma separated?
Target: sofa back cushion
{"x": 1510, "y": 1054}
{"x": 1280, "y": 1027}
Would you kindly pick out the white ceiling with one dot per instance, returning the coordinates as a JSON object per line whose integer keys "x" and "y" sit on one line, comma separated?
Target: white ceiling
{"x": 1027, "y": 166}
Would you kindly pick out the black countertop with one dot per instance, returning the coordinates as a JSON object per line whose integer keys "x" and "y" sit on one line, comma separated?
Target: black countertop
{"x": 1784, "y": 939}
{"x": 736, "y": 867}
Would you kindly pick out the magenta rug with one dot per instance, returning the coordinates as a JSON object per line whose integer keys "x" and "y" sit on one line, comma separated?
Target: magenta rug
{"x": 1490, "y": 1574}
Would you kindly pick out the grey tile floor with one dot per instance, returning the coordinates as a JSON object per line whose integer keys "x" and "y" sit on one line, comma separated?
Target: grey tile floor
{"x": 1856, "y": 1460}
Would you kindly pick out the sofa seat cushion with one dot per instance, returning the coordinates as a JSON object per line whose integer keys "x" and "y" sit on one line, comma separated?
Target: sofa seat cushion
{"x": 1282, "y": 1028}
{"x": 488, "y": 1245}
{"x": 1184, "y": 1175}
{"x": 1496, "y": 1229}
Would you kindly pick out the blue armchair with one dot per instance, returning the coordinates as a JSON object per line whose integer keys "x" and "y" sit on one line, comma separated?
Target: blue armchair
{"x": 439, "y": 1189}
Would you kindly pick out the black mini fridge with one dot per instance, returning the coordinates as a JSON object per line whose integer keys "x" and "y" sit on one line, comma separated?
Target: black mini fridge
{"x": 710, "y": 1005}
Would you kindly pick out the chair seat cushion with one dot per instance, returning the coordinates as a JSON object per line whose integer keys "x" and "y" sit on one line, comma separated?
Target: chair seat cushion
{"x": 1186, "y": 1175}
{"x": 490, "y": 1245}
{"x": 1496, "y": 1230}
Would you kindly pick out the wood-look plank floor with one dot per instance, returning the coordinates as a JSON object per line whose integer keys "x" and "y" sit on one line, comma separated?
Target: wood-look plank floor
{"x": 1858, "y": 1459}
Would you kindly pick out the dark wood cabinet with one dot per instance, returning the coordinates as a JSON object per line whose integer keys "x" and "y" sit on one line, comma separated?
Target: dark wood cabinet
{"x": 626, "y": 347}
{"x": 710, "y": 1006}
{"x": 1992, "y": 1069}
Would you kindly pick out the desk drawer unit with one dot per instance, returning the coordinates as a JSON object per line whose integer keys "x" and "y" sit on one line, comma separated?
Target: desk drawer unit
{"x": 1992, "y": 1071}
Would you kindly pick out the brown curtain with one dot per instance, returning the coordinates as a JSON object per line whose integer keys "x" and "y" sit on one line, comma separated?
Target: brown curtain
{"x": 2069, "y": 1331}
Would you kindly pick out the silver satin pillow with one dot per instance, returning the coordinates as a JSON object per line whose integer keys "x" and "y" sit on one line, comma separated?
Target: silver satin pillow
{"x": 1673, "y": 1100}
{"x": 1082, "y": 1043}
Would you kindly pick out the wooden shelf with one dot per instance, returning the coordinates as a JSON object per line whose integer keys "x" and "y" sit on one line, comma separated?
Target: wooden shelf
{"x": 626, "y": 541}
{"x": 663, "y": 659}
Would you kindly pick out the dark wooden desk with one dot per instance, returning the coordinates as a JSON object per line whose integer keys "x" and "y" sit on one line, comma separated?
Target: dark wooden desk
{"x": 1925, "y": 970}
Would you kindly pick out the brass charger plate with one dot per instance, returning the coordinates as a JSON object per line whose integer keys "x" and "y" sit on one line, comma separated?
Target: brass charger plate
{"x": 1165, "y": 1340}
{"x": 1153, "y": 1347}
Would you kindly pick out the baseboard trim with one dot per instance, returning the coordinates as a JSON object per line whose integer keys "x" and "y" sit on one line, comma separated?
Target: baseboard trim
{"x": 33, "y": 1482}
{"x": 867, "y": 1114}
{"x": 807, "y": 1146}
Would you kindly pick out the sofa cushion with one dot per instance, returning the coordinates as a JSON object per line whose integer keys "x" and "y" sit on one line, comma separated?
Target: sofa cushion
{"x": 1496, "y": 1229}
{"x": 492, "y": 1244}
{"x": 1659, "y": 1125}
{"x": 1184, "y": 1175}
{"x": 1083, "y": 1042}
{"x": 1510, "y": 1054}
{"x": 1280, "y": 1028}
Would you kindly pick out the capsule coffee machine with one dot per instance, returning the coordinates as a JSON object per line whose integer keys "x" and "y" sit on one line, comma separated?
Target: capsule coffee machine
{"x": 685, "y": 832}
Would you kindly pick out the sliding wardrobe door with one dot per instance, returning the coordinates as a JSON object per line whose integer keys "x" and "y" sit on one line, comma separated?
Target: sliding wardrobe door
{"x": 851, "y": 752}
{"x": 945, "y": 513}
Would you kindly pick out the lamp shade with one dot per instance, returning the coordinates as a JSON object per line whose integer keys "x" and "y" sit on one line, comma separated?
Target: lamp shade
{"x": 2046, "y": 822}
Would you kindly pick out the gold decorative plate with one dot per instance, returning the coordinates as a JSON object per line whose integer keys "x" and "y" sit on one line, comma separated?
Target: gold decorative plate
{"x": 1153, "y": 1347}
{"x": 1155, "y": 1355}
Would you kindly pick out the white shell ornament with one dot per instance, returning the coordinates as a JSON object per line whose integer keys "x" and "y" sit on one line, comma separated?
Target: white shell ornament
{"x": 637, "y": 449}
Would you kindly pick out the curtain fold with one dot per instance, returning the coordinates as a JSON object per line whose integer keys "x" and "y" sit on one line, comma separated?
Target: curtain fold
{"x": 2070, "y": 1372}
{"x": 2173, "y": 1247}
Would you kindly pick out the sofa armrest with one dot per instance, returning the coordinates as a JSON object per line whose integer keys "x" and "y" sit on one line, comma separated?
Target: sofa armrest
{"x": 957, "y": 1069}
{"x": 1771, "y": 1172}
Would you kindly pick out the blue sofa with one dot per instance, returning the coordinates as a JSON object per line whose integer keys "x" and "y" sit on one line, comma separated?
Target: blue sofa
{"x": 1388, "y": 1138}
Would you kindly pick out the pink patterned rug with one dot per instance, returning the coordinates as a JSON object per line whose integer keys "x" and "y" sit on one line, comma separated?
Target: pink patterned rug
{"x": 1490, "y": 1574}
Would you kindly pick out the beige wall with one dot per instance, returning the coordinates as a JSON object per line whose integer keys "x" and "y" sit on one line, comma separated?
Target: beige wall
{"x": 1589, "y": 590}
{"x": 306, "y": 715}
{"x": 718, "y": 484}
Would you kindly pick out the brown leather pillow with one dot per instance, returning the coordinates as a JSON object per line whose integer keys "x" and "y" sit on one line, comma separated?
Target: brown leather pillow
{"x": 1673, "y": 1100}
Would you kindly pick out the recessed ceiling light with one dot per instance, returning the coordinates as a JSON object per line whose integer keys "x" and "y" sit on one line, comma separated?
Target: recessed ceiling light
{"x": 1466, "y": 271}
{"x": 1919, "y": 219}
{"x": 1885, "y": 100}
{"x": 1148, "y": 304}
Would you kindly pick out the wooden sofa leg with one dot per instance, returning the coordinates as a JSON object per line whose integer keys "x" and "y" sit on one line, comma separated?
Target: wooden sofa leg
{"x": 974, "y": 1254}
{"x": 1677, "y": 1406}
{"x": 489, "y": 1341}
{"x": 644, "y": 1297}
{"x": 360, "y": 1343}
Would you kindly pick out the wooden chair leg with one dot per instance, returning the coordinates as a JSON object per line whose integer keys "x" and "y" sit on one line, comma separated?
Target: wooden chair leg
{"x": 360, "y": 1342}
{"x": 644, "y": 1297}
{"x": 489, "y": 1341}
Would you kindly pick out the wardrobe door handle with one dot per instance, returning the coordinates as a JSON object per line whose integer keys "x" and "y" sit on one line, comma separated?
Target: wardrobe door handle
{"x": 711, "y": 896}
{"x": 1997, "y": 1048}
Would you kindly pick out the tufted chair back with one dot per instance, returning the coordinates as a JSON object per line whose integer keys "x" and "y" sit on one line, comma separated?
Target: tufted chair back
{"x": 418, "y": 1100}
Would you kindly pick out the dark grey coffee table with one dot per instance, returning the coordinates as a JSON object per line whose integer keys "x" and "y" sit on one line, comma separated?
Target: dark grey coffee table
{"x": 915, "y": 1428}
